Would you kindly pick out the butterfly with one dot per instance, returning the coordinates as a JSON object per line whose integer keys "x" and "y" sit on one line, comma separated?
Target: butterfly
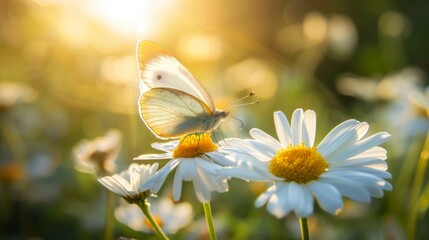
{"x": 172, "y": 102}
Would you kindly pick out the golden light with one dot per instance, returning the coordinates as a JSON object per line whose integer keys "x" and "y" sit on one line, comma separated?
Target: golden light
{"x": 315, "y": 27}
{"x": 129, "y": 16}
{"x": 252, "y": 74}
{"x": 120, "y": 70}
{"x": 200, "y": 47}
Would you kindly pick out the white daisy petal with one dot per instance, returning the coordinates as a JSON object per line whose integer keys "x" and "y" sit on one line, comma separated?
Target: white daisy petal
{"x": 155, "y": 182}
{"x": 213, "y": 181}
{"x": 113, "y": 186}
{"x": 265, "y": 150}
{"x": 260, "y": 135}
{"x": 154, "y": 156}
{"x": 283, "y": 129}
{"x": 165, "y": 147}
{"x": 221, "y": 159}
{"x": 202, "y": 191}
{"x": 328, "y": 197}
{"x": 177, "y": 185}
{"x": 374, "y": 152}
{"x": 308, "y": 203}
{"x": 263, "y": 198}
{"x": 275, "y": 207}
{"x": 348, "y": 188}
{"x": 327, "y": 143}
{"x": 368, "y": 162}
{"x": 207, "y": 166}
{"x": 367, "y": 143}
{"x": 310, "y": 127}
{"x": 339, "y": 146}
{"x": 296, "y": 125}
{"x": 187, "y": 169}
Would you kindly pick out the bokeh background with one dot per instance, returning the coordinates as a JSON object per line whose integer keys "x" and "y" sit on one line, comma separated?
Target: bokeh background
{"x": 68, "y": 72}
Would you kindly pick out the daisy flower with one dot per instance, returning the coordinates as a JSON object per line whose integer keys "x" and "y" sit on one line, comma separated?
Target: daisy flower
{"x": 98, "y": 155}
{"x": 169, "y": 216}
{"x": 127, "y": 184}
{"x": 196, "y": 159}
{"x": 342, "y": 164}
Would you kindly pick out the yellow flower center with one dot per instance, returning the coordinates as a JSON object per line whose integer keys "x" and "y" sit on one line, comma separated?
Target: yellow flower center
{"x": 299, "y": 164}
{"x": 194, "y": 145}
{"x": 157, "y": 219}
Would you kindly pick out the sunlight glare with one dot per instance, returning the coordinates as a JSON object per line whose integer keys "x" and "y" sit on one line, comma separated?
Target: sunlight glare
{"x": 129, "y": 16}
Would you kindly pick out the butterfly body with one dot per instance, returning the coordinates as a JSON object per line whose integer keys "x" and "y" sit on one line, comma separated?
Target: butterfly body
{"x": 172, "y": 102}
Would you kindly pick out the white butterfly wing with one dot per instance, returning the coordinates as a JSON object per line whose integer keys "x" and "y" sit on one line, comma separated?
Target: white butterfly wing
{"x": 171, "y": 113}
{"x": 158, "y": 69}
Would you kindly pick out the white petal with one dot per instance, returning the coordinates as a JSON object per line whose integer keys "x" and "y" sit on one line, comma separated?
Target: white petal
{"x": 155, "y": 182}
{"x": 343, "y": 142}
{"x": 201, "y": 190}
{"x": 166, "y": 146}
{"x": 221, "y": 158}
{"x": 375, "y": 152}
{"x": 283, "y": 129}
{"x": 327, "y": 143}
{"x": 296, "y": 126}
{"x": 207, "y": 165}
{"x": 262, "y": 149}
{"x": 373, "y": 184}
{"x": 348, "y": 188}
{"x": 310, "y": 127}
{"x": 367, "y": 143}
{"x": 263, "y": 198}
{"x": 113, "y": 185}
{"x": 160, "y": 156}
{"x": 177, "y": 185}
{"x": 300, "y": 199}
{"x": 367, "y": 162}
{"x": 214, "y": 183}
{"x": 120, "y": 181}
{"x": 261, "y": 136}
{"x": 187, "y": 169}
{"x": 275, "y": 207}
{"x": 328, "y": 197}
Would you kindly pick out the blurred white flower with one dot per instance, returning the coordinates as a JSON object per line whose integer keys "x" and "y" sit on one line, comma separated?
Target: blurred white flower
{"x": 391, "y": 87}
{"x": 169, "y": 216}
{"x": 197, "y": 159}
{"x": 403, "y": 98}
{"x": 420, "y": 100}
{"x": 127, "y": 184}
{"x": 342, "y": 36}
{"x": 12, "y": 93}
{"x": 343, "y": 164}
{"x": 99, "y": 155}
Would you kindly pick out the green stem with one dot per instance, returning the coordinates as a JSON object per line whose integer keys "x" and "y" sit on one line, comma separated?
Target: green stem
{"x": 109, "y": 218}
{"x": 209, "y": 219}
{"x": 416, "y": 188}
{"x": 145, "y": 205}
{"x": 304, "y": 229}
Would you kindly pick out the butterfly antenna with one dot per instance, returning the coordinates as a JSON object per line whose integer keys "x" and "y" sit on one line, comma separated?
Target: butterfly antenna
{"x": 237, "y": 104}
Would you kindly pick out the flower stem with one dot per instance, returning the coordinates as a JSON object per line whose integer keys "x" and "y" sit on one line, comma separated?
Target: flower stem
{"x": 304, "y": 229}
{"x": 209, "y": 219}
{"x": 109, "y": 218}
{"x": 416, "y": 188}
{"x": 144, "y": 205}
